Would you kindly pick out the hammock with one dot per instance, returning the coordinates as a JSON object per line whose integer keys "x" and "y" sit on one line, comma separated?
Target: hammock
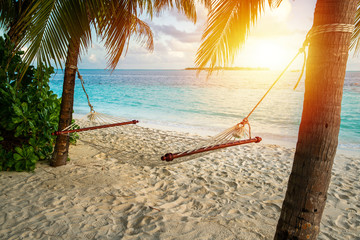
{"x": 141, "y": 146}
{"x": 236, "y": 135}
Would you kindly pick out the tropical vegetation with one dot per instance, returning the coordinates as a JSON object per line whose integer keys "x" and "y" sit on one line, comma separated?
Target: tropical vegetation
{"x": 29, "y": 112}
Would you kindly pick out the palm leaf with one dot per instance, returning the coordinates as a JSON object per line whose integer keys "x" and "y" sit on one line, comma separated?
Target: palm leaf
{"x": 117, "y": 27}
{"x": 274, "y": 3}
{"x": 355, "y": 39}
{"x": 15, "y": 17}
{"x": 207, "y": 3}
{"x": 53, "y": 26}
{"x": 186, "y": 7}
{"x": 7, "y": 13}
{"x": 117, "y": 33}
{"x": 228, "y": 25}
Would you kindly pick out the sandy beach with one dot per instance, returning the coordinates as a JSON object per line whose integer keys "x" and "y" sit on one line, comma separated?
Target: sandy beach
{"x": 112, "y": 189}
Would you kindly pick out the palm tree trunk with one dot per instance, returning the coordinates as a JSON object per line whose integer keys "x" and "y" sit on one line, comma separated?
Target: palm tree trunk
{"x": 319, "y": 128}
{"x": 61, "y": 150}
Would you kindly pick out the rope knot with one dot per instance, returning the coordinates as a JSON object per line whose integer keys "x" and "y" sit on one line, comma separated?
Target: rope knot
{"x": 73, "y": 67}
{"x": 245, "y": 121}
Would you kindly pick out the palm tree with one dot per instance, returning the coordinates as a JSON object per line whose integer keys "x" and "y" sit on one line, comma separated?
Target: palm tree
{"x": 60, "y": 29}
{"x": 116, "y": 27}
{"x": 116, "y": 24}
{"x": 228, "y": 23}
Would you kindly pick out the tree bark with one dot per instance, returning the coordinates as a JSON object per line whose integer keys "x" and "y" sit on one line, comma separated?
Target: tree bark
{"x": 320, "y": 123}
{"x": 61, "y": 150}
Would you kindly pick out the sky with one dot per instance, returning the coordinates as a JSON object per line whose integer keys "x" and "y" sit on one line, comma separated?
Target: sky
{"x": 272, "y": 42}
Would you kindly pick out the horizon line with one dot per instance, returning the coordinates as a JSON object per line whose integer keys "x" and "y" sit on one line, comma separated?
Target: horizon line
{"x": 176, "y": 69}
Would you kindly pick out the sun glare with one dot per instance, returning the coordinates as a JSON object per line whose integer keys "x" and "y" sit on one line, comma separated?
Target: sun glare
{"x": 264, "y": 54}
{"x": 270, "y": 56}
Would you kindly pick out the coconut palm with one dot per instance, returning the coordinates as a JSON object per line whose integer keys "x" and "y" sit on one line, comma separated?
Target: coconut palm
{"x": 116, "y": 27}
{"x": 228, "y": 23}
{"x": 60, "y": 29}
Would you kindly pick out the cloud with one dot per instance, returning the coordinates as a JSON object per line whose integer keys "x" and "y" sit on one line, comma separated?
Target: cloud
{"x": 92, "y": 58}
{"x": 172, "y": 31}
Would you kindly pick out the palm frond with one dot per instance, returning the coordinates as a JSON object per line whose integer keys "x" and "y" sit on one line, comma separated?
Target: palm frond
{"x": 53, "y": 25}
{"x": 8, "y": 12}
{"x": 227, "y": 27}
{"x": 186, "y": 7}
{"x": 15, "y": 17}
{"x": 116, "y": 28}
{"x": 143, "y": 34}
{"x": 117, "y": 33}
{"x": 355, "y": 39}
{"x": 145, "y": 6}
{"x": 274, "y": 3}
{"x": 207, "y": 3}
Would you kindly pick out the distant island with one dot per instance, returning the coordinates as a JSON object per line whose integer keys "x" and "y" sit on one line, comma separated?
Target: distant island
{"x": 230, "y": 68}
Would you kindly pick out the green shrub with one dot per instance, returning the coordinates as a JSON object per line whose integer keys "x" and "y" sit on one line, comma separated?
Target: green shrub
{"x": 29, "y": 113}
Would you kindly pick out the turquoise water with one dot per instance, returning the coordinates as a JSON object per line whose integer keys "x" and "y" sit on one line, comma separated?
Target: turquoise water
{"x": 178, "y": 99}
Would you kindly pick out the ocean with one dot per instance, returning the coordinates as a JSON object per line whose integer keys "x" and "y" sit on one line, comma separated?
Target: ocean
{"x": 182, "y": 101}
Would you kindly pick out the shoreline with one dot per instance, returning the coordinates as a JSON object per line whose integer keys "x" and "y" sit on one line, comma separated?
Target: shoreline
{"x": 270, "y": 139}
{"x": 207, "y": 132}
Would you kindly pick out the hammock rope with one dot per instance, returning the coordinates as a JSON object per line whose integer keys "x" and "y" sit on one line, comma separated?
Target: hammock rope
{"x": 83, "y": 87}
{"x": 316, "y": 30}
{"x": 95, "y": 119}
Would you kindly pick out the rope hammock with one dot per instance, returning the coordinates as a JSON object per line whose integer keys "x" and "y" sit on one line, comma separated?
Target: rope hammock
{"x": 236, "y": 135}
{"x": 138, "y": 145}
{"x": 141, "y": 146}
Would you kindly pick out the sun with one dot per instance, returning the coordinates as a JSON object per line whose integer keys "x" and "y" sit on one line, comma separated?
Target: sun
{"x": 270, "y": 55}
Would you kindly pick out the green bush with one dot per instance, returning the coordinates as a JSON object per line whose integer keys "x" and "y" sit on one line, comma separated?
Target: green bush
{"x": 29, "y": 113}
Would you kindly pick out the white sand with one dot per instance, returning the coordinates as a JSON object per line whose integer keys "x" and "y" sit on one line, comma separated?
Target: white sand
{"x": 104, "y": 193}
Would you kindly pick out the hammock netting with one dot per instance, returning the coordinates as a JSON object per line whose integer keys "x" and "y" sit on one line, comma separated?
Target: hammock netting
{"x": 138, "y": 145}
